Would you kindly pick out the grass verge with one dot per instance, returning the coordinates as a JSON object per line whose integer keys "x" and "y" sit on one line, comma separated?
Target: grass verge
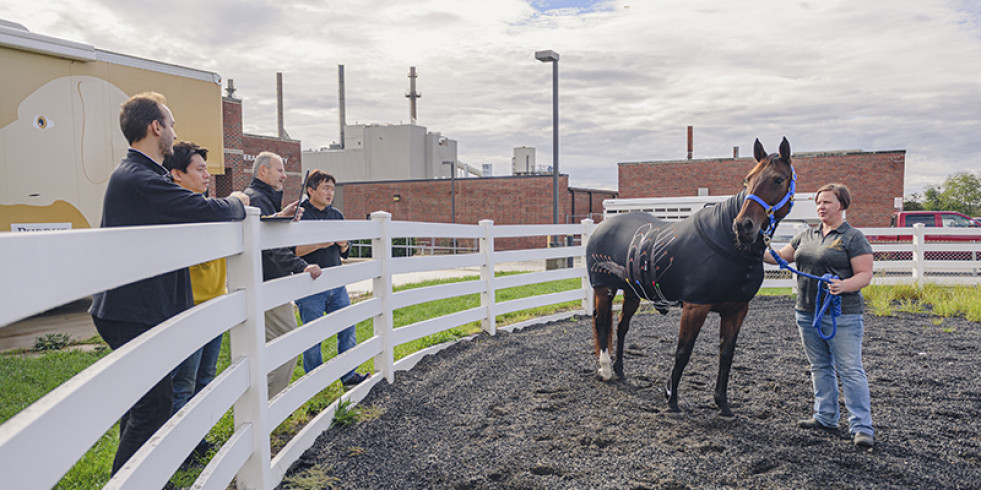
{"x": 938, "y": 300}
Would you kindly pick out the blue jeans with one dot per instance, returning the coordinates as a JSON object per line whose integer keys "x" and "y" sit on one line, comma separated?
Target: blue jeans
{"x": 839, "y": 357}
{"x": 192, "y": 375}
{"x": 316, "y": 306}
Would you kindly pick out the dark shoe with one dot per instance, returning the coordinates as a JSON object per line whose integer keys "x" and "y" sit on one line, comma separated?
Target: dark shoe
{"x": 201, "y": 451}
{"x": 814, "y": 424}
{"x": 863, "y": 440}
{"x": 354, "y": 380}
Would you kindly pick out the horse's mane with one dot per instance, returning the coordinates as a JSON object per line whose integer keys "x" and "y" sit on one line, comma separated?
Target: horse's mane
{"x": 757, "y": 169}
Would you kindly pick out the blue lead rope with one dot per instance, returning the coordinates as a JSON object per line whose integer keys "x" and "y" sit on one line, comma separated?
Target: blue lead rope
{"x": 823, "y": 300}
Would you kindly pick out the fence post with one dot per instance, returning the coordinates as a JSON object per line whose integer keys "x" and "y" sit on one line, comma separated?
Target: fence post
{"x": 488, "y": 298}
{"x": 381, "y": 250}
{"x": 249, "y": 340}
{"x": 587, "y": 289}
{"x": 919, "y": 239}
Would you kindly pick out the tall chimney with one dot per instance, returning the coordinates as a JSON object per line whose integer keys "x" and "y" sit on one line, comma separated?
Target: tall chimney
{"x": 690, "y": 134}
{"x": 735, "y": 152}
{"x": 412, "y": 95}
{"x": 231, "y": 88}
{"x": 279, "y": 105}
{"x": 341, "y": 107}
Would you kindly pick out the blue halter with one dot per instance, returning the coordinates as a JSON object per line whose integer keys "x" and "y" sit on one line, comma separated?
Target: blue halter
{"x": 771, "y": 210}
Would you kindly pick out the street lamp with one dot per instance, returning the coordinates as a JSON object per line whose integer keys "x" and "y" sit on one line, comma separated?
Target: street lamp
{"x": 452, "y": 196}
{"x": 547, "y": 56}
{"x": 452, "y": 189}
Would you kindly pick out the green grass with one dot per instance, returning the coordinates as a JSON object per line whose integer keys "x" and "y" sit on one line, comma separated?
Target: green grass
{"x": 943, "y": 301}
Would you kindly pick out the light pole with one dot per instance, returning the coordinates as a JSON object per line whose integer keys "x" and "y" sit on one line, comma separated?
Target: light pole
{"x": 547, "y": 56}
{"x": 452, "y": 189}
{"x": 452, "y": 196}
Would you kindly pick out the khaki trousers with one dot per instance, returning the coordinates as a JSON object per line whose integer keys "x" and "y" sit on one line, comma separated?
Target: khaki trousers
{"x": 280, "y": 320}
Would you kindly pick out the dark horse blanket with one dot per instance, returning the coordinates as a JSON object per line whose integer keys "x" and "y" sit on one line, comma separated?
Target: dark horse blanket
{"x": 670, "y": 262}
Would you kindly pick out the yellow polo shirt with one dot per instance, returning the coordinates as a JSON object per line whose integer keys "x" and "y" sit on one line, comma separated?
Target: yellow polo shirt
{"x": 208, "y": 280}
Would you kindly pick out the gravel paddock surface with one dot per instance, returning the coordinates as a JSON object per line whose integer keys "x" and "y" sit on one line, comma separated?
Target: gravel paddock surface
{"x": 525, "y": 410}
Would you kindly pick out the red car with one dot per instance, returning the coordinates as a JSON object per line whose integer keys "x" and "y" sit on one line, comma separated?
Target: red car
{"x": 930, "y": 219}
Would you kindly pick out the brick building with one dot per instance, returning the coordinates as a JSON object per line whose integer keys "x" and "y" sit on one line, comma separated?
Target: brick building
{"x": 241, "y": 150}
{"x": 519, "y": 199}
{"x": 875, "y": 179}
{"x": 525, "y": 199}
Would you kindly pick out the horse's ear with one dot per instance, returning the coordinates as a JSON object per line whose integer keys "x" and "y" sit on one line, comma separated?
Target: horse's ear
{"x": 758, "y": 152}
{"x": 785, "y": 149}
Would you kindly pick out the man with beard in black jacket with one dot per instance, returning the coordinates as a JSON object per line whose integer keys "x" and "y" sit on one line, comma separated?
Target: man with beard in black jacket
{"x": 139, "y": 193}
{"x": 266, "y": 193}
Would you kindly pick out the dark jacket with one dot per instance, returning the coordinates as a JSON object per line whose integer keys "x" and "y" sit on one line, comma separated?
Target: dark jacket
{"x": 139, "y": 193}
{"x": 277, "y": 262}
{"x": 324, "y": 257}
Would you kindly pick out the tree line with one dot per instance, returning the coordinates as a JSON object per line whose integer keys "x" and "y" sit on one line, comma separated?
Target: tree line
{"x": 960, "y": 191}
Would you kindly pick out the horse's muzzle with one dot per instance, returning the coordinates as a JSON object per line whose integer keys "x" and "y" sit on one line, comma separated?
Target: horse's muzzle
{"x": 746, "y": 231}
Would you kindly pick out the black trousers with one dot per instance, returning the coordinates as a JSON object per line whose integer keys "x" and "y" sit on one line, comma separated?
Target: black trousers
{"x": 151, "y": 411}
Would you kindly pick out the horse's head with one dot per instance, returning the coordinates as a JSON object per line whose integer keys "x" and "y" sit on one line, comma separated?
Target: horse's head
{"x": 770, "y": 195}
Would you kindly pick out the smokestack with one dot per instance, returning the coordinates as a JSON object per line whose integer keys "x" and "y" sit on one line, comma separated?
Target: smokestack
{"x": 341, "y": 108}
{"x": 279, "y": 105}
{"x": 690, "y": 134}
{"x": 735, "y": 152}
{"x": 412, "y": 95}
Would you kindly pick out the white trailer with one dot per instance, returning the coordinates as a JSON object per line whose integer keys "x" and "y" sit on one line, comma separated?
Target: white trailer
{"x": 679, "y": 208}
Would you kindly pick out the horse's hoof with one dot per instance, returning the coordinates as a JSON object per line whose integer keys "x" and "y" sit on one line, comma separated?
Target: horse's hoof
{"x": 675, "y": 413}
{"x": 727, "y": 415}
{"x": 600, "y": 377}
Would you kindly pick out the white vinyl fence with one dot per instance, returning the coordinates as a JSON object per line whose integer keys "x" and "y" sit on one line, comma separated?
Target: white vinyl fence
{"x": 44, "y": 270}
{"x": 948, "y": 257}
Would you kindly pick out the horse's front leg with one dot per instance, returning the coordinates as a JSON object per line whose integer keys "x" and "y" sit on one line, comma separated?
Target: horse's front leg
{"x": 630, "y": 303}
{"x": 603, "y": 330}
{"x": 731, "y": 322}
{"x": 692, "y": 318}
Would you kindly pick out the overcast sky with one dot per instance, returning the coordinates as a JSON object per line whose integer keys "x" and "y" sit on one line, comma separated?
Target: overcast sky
{"x": 827, "y": 74}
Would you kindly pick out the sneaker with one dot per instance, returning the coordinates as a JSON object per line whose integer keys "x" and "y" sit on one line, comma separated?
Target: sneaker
{"x": 863, "y": 440}
{"x": 201, "y": 450}
{"x": 812, "y": 423}
{"x": 354, "y": 380}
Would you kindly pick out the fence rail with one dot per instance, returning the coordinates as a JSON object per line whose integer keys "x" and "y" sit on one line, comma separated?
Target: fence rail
{"x": 65, "y": 423}
{"x": 938, "y": 255}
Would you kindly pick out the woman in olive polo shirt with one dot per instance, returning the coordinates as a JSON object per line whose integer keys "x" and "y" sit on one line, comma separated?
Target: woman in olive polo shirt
{"x": 834, "y": 247}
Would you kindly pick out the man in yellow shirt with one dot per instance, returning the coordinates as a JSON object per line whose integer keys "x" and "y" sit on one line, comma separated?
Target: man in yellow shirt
{"x": 189, "y": 170}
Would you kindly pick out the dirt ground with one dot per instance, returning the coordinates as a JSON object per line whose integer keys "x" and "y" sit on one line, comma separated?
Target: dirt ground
{"x": 525, "y": 410}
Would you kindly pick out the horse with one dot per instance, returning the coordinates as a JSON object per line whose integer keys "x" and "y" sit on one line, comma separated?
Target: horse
{"x": 711, "y": 261}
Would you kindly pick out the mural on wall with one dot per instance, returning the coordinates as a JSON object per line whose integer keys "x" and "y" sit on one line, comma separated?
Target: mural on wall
{"x": 70, "y": 119}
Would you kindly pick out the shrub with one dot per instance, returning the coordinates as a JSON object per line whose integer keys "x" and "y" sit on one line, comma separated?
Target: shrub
{"x": 51, "y": 341}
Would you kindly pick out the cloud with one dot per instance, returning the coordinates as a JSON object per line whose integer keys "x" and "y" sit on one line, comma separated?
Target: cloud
{"x": 874, "y": 75}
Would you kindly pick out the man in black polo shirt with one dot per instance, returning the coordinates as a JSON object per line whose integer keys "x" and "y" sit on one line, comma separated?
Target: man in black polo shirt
{"x": 320, "y": 189}
{"x": 266, "y": 193}
{"x": 139, "y": 193}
